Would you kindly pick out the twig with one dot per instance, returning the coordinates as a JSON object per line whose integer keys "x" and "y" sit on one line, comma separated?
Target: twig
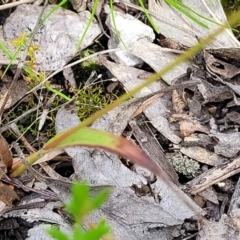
{"x": 213, "y": 176}
{"x": 190, "y": 237}
{"x": 21, "y": 155}
{"x": 14, "y": 129}
{"x": 26, "y": 206}
{"x": 6, "y": 127}
{"x": 14, "y": 4}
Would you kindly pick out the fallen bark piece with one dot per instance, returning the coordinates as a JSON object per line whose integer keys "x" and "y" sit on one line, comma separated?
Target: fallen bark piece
{"x": 209, "y": 194}
{"x": 204, "y": 156}
{"x": 132, "y": 77}
{"x": 228, "y": 144}
{"x": 150, "y": 145}
{"x": 200, "y": 140}
{"x": 158, "y": 113}
{"x": 219, "y": 67}
{"x": 131, "y": 217}
{"x": 158, "y": 58}
{"x": 213, "y": 176}
{"x": 129, "y": 30}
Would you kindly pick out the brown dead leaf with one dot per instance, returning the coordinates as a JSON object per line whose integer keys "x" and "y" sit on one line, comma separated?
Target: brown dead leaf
{"x": 178, "y": 102}
{"x": 178, "y": 117}
{"x": 169, "y": 43}
{"x": 212, "y": 110}
{"x": 7, "y": 194}
{"x": 15, "y": 94}
{"x": 5, "y": 154}
{"x": 187, "y": 128}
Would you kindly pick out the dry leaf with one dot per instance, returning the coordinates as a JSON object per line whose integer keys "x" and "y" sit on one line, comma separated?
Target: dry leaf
{"x": 203, "y": 155}
{"x": 187, "y": 128}
{"x": 178, "y": 102}
{"x": 5, "y": 154}
{"x": 7, "y": 194}
{"x": 15, "y": 94}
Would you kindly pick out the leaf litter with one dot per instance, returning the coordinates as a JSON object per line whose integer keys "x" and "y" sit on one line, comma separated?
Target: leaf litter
{"x": 196, "y": 122}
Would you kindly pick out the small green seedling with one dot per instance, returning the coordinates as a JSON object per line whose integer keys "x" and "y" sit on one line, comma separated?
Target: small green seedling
{"x": 81, "y": 205}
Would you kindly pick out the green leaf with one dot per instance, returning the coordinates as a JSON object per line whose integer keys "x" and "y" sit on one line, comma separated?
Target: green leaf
{"x": 97, "y": 232}
{"x": 107, "y": 141}
{"x": 82, "y": 204}
{"x": 6, "y": 51}
{"x": 78, "y": 234}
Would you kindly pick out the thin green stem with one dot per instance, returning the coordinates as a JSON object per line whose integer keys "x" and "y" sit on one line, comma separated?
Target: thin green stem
{"x": 148, "y": 16}
{"x": 5, "y": 49}
{"x": 14, "y": 57}
{"x": 114, "y": 24}
{"x": 88, "y": 24}
{"x": 57, "y": 92}
{"x": 53, "y": 10}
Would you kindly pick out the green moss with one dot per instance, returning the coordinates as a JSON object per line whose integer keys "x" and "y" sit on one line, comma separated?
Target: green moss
{"x": 89, "y": 100}
{"x": 185, "y": 166}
